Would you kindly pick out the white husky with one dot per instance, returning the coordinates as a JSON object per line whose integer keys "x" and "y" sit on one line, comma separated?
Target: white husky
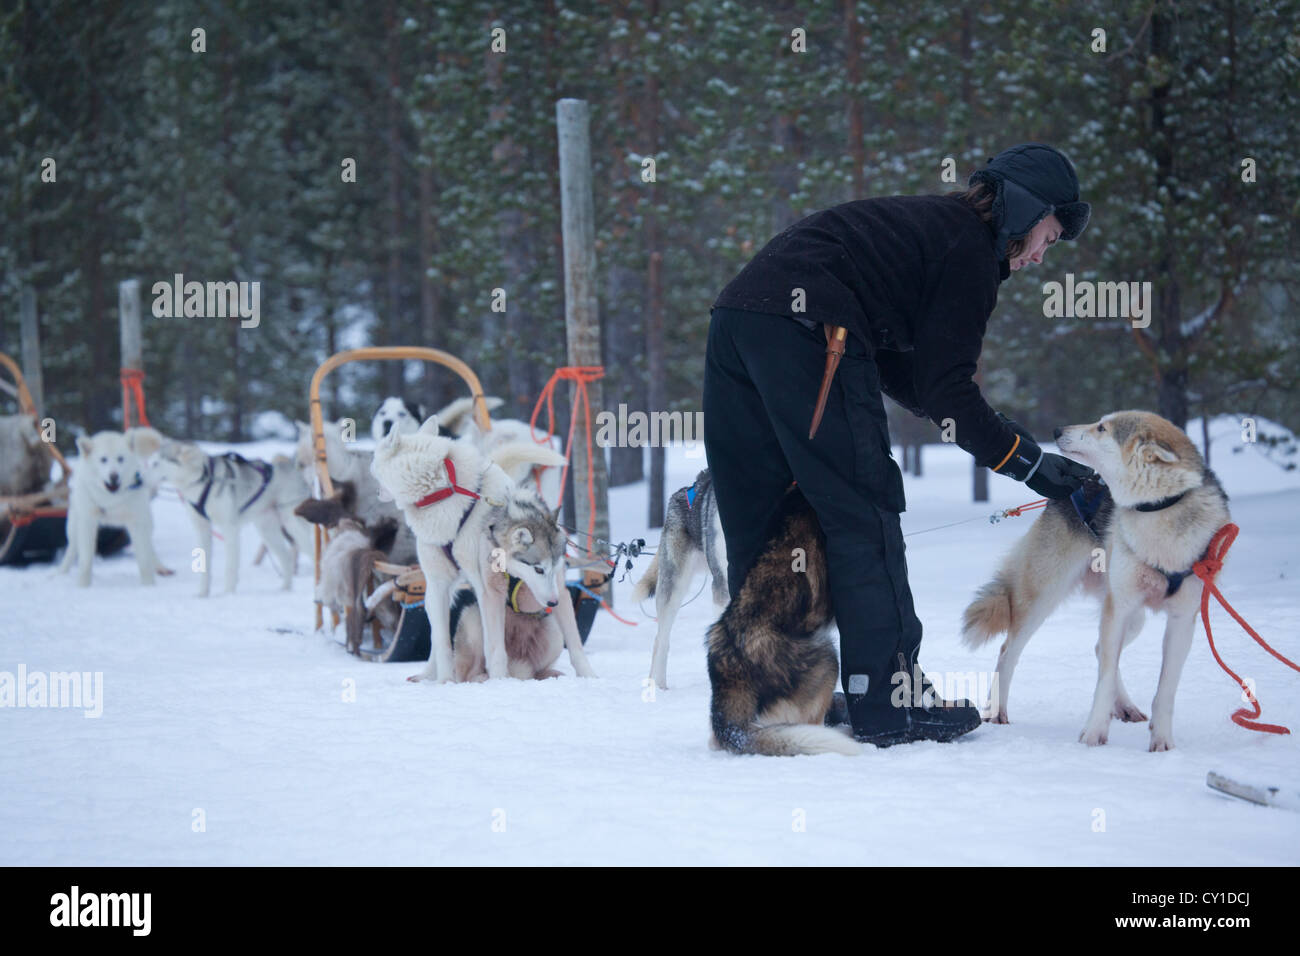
{"x": 108, "y": 487}
{"x": 227, "y": 491}
{"x": 1152, "y": 519}
{"x": 472, "y": 522}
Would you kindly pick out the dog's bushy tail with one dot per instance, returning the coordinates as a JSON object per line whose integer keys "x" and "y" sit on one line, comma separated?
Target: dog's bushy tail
{"x": 510, "y": 455}
{"x": 649, "y": 581}
{"x": 782, "y": 740}
{"x": 989, "y": 614}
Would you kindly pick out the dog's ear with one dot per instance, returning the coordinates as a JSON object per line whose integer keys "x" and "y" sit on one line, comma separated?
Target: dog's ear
{"x": 143, "y": 441}
{"x": 1153, "y": 450}
{"x": 555, "y": 515}
{"x": 430, "y": 426}
{"x": 521, "y": 537}
{"x": 85, "y": 445}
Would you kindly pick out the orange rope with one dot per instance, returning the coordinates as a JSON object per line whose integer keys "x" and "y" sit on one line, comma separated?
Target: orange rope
{"x": 1015, "y": 512}
{"x": 133, "y": 387}
{"x": 580, "y": 375}
{"x": 1206, "y": 569}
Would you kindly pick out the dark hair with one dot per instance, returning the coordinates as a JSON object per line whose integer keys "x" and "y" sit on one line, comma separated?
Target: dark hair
{"x": 980, "y": 198}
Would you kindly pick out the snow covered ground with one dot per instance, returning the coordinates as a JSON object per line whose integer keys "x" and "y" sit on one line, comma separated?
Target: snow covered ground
{"x": 226, "y": 735}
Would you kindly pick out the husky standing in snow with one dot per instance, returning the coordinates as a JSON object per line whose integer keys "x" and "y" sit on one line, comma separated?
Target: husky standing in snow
{"x": 108, "y": 487}
{"x": 691, "y": 541}
{"x": 772, "y": 664}
{"x": 1153, "y": 517}
{"x": 473, "y": 523}
{"x": 228, "y": 491}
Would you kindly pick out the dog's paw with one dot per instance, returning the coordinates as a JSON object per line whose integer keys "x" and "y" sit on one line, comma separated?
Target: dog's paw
{"x": 1128, "y": 712}
{"x": 999, "y": 718}
{"x": 1094, "y": 738}
{"x": 165, "y": 572}
{"x": 1160, "y": 745}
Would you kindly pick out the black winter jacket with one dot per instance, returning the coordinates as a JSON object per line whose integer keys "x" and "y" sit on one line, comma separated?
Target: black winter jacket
{"x": 915, "y": 277}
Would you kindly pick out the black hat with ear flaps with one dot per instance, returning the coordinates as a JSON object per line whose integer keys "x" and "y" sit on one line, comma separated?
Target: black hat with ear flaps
{"x": 1030, "y": 182}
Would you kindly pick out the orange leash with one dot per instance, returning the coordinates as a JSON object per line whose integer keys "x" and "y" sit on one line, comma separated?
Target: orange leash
{"x": 580, "y": 375}
{"x": 1206, "y": 569}
{"x": 133, "y": 387}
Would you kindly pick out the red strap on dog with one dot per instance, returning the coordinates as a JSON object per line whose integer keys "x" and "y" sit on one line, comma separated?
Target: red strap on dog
{"x": 1206, "y": 569}
{"x": 442, "y": 493}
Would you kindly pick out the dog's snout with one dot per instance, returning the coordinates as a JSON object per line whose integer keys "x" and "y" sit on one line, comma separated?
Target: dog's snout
{"x": 552, "y": 603}
{"x": 1057, "y": 432}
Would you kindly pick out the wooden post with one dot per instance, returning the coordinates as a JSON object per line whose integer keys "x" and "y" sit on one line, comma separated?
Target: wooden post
{"x": 581, "y": 320}
{"x": 31, "y": 345}
{"x": 128, "y": 309}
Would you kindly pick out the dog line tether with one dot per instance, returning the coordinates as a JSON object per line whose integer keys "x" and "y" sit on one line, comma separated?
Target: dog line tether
{"x": 1206, "y": 569}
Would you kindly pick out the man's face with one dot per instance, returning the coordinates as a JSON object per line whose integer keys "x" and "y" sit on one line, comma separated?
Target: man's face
{"x": 1036, "y": 243}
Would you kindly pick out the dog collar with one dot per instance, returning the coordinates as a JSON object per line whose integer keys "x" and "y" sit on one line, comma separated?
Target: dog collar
{"x": 1161, "y": 504}
{"x": 444, "y": 493}
{"x": 513, "y": 584}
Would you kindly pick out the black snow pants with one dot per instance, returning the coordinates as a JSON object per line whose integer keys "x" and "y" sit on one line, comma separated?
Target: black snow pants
{"x": 761, "y": 378}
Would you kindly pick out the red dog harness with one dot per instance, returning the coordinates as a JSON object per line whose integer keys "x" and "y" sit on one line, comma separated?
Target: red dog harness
{"x": 444, "y": 493}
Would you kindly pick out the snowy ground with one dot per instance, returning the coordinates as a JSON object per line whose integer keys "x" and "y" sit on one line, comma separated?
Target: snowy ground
{"x": 231, "y": 712}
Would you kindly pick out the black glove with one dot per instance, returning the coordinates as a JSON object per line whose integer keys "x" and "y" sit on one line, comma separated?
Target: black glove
{"x": 1051, "y": 475}
{"x": 1058, "y": 476}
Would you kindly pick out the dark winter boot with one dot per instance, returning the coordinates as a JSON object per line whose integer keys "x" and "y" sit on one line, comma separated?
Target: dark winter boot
{"x": 908, "y": 711}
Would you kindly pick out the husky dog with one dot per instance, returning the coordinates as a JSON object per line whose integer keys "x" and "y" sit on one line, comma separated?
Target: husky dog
{"x": 24, "y": 465}
{"x": 772, "y": 664}
{"x": 397, "y": 413}
{"x": 1152, "y": 520}
{"x": 352, "y": 466}
{"x": 455, "y": 419}
{"x": 534, "y": 638}
{"x": 228, "y": 491}
{"x": 347, "y": 566}
{"x": 471, "y": 522}
{"x": 692, "y": 541}
{"x": 109, "y": 487}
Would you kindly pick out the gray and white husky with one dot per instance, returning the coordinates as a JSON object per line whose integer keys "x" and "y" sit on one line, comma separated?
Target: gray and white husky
{"x": 1131, "y": 542}
{"x": 228, "y": 491}
{"x": 691, "y": 542}
{"x": 472, "y": 523}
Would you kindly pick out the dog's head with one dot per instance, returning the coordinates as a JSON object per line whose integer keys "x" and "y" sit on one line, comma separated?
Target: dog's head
{"x": 528, "y": 543}
{"x": 1140, "y": 456}
{"x": 178, "y": 462}
{"x": 396, "y": 414}
{"x": 115, "y": 461}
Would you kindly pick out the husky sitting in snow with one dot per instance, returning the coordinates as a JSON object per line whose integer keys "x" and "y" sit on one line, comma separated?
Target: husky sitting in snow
{"x": 473, "y": 523}
{"x": 228, "y": 491}
{"x": 108, "y": 487}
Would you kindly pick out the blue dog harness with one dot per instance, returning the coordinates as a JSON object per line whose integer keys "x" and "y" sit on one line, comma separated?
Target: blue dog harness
{"x": 233, "y": 459}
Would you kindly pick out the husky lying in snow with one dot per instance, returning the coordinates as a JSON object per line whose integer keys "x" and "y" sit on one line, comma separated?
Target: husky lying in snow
{"x": 228, "y": 491}
{"x": 1154, "y": 517}
{"x": 692, "y": 541}
{"x": 108, "y": 487}
{"x": 472, "y": 523}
